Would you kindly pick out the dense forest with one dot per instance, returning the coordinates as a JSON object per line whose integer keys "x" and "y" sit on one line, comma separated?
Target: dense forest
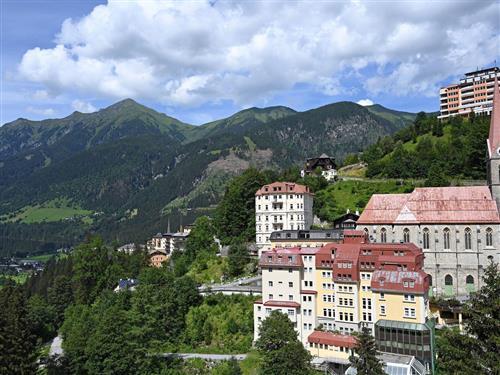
{"x": 433, "y": 150}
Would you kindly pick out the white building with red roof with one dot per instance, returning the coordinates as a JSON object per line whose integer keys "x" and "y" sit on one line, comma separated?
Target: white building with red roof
{"x": 457, "y": 227}
{"x": 281, "y": 206}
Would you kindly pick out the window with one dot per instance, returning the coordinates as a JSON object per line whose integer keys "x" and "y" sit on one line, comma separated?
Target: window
{"x": 469, "y": 283}
{"x": 489, "y": 237}
{"x": 271, "y": 296}
{"x": 382, "y": 309}
{"x": 383, "y": 235}
{"x": 446, "y": 238}
{"x": 406, "y": 235}
{"x": 410, "y": 297}
{"x": 290, "y": 312}
{"x": 382, "y": 296}
{"x": 290, "y": 284}
{"x": 448, "y": 280}
{"x": 290, "y": 297}
{"x": 270, "y": 283}
{"x": 409, "y": 312}
{"x": 426, "y": 238}
{"x": 468, "y": 239}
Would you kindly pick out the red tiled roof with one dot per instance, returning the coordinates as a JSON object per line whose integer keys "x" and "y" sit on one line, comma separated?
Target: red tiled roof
{"x": 283, "y": 187}
{"x": 383, "y": 280}
{"x": 494, "y": 136}
{"x": 308, "y": 292}
{"x": 465, "y": 204}
{"x": 258, "y": 302}
{"x": 282, "y": 303}
{"x": 332, "y": 339}
{"x": 281, "y": 258}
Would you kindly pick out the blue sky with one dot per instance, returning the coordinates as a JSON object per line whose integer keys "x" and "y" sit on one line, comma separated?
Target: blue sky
{"x": 199, "y": 61}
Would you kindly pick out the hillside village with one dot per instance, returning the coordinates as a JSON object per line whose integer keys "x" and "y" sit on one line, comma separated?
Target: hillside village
{"x": 380, "y": 270}
{"x": 399, "y": 269}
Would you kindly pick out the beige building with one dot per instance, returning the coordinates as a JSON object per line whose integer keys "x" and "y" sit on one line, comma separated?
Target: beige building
{"x": 281, "y": 206}
{"x": 474, "y": 94}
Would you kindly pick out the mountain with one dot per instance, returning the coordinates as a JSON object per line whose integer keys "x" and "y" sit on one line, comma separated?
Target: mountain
{"x": 127, "y": 170}
{"x": 397, "y": 118}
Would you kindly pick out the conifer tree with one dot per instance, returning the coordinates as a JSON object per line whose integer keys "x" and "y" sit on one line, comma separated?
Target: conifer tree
{"x": 483, "y": 323}
{"x": 17, "y": 343}
{"x": 365, "y": 361}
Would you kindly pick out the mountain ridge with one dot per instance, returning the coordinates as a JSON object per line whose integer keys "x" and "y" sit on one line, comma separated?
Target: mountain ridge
{"x": 133, "y": 166}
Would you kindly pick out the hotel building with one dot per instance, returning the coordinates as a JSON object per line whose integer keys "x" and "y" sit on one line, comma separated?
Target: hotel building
{"x": 281, "y": 206}
{"x": 474, "y": 94}
{"x": 329, "y": 292}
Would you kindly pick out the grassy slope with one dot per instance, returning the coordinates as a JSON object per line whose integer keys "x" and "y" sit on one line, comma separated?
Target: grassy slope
{"x": 352, "y": 195}
{"x": 54, "y": 210}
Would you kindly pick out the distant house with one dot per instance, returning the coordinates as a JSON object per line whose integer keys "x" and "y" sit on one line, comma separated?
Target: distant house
{"x": 168, "y": 242}
{"x": 325, "y": 163}
{"x": 346, "y": 221}
{"x": 127, "y": 248}
{"x": 157, "y": 257}
{"x": 126, "y": 284}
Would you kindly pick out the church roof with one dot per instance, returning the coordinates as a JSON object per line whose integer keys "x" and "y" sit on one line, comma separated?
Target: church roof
{"x": 465, "y": 204}
{"x": 494, "y": 136}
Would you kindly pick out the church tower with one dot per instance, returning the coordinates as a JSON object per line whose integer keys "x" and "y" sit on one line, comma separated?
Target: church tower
{"x": 494, "y": 147}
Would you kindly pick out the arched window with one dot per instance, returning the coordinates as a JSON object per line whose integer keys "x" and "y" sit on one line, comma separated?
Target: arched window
{"x": 489, "y": 237}
{"x": 448, "y": 280}
{"x": 446, "y": 238}
{"x": 469, "y": 283}
{"x": 430, "y": 280}
{"x": 426, "y": 238}
{"x": 406, "y": 235}
{"x": 383, "y": 235}
{"x": 468, "y": 239}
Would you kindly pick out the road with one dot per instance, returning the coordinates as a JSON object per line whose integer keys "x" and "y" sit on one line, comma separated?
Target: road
{"x": 207, "y": 357}
{"x": 55, "y": 346}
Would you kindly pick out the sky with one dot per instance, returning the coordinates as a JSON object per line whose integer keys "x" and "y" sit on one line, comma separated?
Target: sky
{"x": 203, "y": 60}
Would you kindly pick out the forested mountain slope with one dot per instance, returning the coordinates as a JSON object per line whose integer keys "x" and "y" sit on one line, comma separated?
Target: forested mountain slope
{"x": 126, "y": 170}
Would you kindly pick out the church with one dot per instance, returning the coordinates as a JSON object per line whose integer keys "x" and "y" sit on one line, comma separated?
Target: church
{"x": 457, "y": 227}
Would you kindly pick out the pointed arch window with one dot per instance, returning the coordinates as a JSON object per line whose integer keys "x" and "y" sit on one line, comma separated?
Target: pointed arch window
{"x": 383, "y": 235}
{"x": 489, "y": 237}
{"x": 406, "y": 235}
{"x": 446, "y": 238}
{"x": 468, "y": 239}
{"x": 426, "y": 241}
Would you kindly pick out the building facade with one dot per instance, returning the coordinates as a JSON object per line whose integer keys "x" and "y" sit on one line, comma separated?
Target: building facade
{"x": 329, "y": 292}
{"x": 324, "y": 163}
{"x": 281, "y": 206}
{"x": 474, "y": 94}
{"x": 305, "y": 238}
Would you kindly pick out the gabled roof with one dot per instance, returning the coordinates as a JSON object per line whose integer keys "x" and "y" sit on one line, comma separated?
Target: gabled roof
{"x": 464, "y": 204}
{"x": 494, "y": 136}
{"x": 283, "y": 187}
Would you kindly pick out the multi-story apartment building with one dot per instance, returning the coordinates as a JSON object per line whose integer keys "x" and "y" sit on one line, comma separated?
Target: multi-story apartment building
{"x": 474, "y": 94}
{"x": 329, "y": 292}
{"x": 281, "y": 206}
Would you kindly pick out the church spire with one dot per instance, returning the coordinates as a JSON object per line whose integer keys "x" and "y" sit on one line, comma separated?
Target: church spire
{"x": 494, "y": 136}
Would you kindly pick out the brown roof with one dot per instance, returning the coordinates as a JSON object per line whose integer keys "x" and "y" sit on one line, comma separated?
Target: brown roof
{"x": 494, "y": 136}
{"x": 281, "y": 258}
{"x": 329, "y": 338}
{"x": 383, "y": 280}
{"x": 303, "y": 291}
{"x": 464, "y": 204}
{"x": 283, "y": 187}
{"x": 282, "y": 303}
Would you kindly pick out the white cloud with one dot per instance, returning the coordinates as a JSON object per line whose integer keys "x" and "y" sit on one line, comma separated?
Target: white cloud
{"x": 190, "y": 53}
{"x": 365, "y": 102}
{"x": 41, "y": 111}
{"x": 81, "y": 106}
